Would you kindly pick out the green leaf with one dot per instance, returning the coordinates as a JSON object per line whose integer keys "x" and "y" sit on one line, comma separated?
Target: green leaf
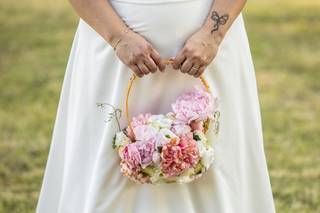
{"x": 198, "y": 168}
{"x": 149, "y": 170}
{"x": 196, "y": 137}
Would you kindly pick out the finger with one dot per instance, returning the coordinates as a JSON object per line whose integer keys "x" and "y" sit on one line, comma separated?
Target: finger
{"x": 186, "y": 66}
{"x": 178, "y": 60}
{"x": 200, "y": 71}
{"x": 196, "y": 64}
{"x": 136, "y": 70}
{"x": 194, "y": 69}
{"x": 157, "y": 59}
{"x": 151, "y": 65}
{"x": 143, "y": 68}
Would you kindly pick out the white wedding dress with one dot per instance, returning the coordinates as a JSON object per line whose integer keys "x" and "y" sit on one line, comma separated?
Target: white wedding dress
{"x": 82, "y": 173}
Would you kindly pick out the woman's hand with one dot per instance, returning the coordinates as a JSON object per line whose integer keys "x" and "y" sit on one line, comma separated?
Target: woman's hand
{"x": 198, "y": 52}
{"x": 137, "y": 53}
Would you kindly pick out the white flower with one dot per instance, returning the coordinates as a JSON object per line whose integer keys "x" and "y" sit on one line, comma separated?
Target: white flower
{"x": 207, "y": 156}
{"x": 202, "y": 136}
{"x": 206, "y": 152}
{"x": 156, "y": 157}
{"x": 168, "y": 133}
{"x": 121, "y": 139}
{"x": 160, "y": 121}
{"x": 163, "y": 137}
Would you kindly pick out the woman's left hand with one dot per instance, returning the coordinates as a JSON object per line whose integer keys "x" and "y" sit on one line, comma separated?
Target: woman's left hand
{"x": 198, "y": 52}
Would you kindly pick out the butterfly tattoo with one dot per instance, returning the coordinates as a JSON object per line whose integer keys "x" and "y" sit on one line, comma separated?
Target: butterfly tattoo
{"x": 218, "y": 20}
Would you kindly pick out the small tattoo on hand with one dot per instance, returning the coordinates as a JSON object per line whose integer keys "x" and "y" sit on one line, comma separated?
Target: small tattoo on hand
{"x": 218, "y": 20}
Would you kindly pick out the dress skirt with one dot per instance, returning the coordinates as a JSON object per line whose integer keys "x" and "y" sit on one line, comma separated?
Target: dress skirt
{"x": 82, "y": 174}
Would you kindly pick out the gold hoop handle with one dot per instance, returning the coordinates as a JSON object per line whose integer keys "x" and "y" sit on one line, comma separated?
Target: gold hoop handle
{"x": 133, "y": 77}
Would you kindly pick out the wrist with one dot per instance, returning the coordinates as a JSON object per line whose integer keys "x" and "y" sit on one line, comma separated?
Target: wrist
{"x": 217, "y": 36}
{"x": 117, "y": 37}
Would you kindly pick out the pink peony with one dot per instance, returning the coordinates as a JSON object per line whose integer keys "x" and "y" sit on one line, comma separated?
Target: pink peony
{"x": 179, "y": 155}
{"x": 139, "y": 120}
{"x": 180, "y": 129}
{"x": 141, "y": 133}
{"x": 144, "y": 132}
{"x": 197, "y": 104}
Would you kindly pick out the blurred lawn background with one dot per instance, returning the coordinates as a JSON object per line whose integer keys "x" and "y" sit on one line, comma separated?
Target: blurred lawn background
{"x": 35, "y": 40}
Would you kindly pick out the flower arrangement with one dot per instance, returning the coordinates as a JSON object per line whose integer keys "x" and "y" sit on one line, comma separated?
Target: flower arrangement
{"x": 170, "y": 147}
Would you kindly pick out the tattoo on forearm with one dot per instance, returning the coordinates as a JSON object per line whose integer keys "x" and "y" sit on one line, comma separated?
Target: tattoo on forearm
{"x": 218, "y": 20}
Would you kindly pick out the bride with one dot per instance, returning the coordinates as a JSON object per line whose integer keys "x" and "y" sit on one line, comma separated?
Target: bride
{"x": 118, "y": 38}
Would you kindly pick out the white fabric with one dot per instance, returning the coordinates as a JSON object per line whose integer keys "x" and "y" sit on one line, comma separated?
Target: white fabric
{"x": 82, "y": 173}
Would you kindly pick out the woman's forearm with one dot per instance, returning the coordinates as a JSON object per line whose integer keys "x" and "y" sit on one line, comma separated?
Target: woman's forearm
{"x": 221, "y": 17}
{"x": 100, "y": 15}
{"x": 202, "y": 47}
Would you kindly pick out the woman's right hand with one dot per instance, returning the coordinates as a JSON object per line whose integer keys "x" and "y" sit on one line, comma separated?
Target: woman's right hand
{"x": 138, "y": 54}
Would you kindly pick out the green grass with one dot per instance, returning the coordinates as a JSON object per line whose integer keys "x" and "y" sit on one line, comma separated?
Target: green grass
{"x": 35, "y": 41}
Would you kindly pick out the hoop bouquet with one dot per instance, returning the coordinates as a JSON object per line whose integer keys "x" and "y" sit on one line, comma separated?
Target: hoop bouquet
{"x": 170, "y": 147}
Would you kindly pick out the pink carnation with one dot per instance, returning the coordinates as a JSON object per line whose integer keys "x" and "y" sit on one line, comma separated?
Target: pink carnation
{"x": 197, "y": 104}
{"x": 138, "y": 154}
{"x": 146, "y": 149}
{"x": 131, "y": 156}
{"x": 179, "y": 155}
